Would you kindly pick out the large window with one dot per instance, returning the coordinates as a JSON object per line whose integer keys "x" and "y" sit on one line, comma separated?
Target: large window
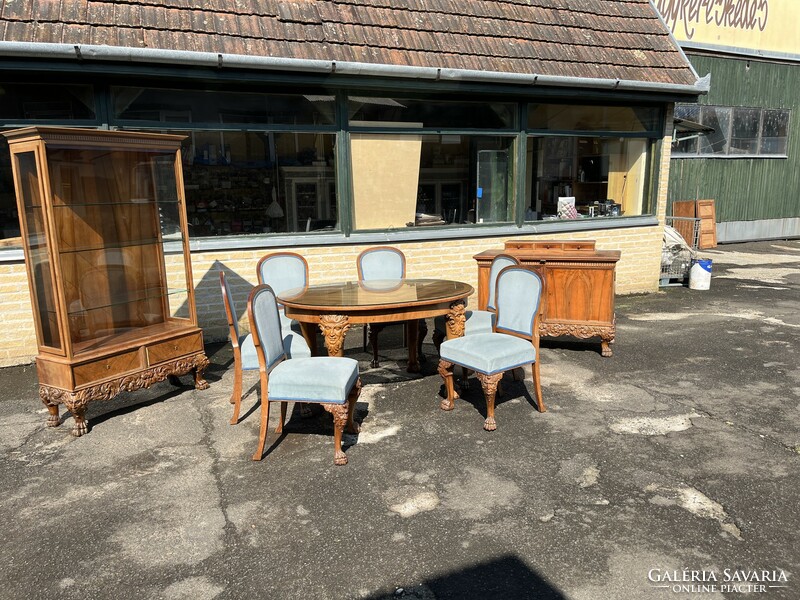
{"x": 583, "y": 177}
{"x": 737, "y": 132}
{"x": 241, "y": 182}
{"x": 589, "y": 161}
{"x": 414, "y": 180}
{"x": 265, "y": 159}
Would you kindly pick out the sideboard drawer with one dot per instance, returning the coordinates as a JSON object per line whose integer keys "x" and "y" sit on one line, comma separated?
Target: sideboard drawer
{"x": 170, "y": 349}
{"x": 106, "y": 367}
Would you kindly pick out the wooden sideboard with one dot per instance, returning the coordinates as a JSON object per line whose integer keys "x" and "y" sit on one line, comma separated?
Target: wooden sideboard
{"x": 578, "y": 286}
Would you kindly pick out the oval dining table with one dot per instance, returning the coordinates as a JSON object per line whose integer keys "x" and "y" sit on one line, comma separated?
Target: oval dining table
{"x": 334, "y": 307}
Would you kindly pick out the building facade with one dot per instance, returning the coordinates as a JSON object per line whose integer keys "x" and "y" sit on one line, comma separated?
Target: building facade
{"x": 750, "y": 163}
{"x": 326, "y": 127}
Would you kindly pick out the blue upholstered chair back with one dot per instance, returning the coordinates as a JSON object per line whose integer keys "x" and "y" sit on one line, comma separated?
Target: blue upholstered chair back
{"x": 500, "y": 262}
{"x": 228, "y": 299}
{"x": 381, "y": 263}
{"x": 265, "y": 324}
{"x": 283, "y": 271}
{"x": 519, "y": 293}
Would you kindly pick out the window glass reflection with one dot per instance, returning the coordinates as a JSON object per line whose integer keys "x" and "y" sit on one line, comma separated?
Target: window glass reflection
{"x": 435, "y": 180}
{"x": 256, "y": 182}
{"x": 580, "y": 177}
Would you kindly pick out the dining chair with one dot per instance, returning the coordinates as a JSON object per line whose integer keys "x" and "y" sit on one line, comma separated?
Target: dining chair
{"x": 477, "y": 321}
{"x": 283, "y": 271}
{"x": 244, "y": 352}
{"x": 383, "y": 262}
{"x": 333, "y": 382}
{"x": 513, "y": 341}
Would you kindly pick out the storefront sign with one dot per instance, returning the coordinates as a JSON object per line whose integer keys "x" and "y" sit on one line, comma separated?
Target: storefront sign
{"x": 757, "y": 26}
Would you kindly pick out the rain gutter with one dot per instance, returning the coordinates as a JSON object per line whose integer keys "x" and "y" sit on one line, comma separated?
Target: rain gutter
{"x": 81, "y": 52}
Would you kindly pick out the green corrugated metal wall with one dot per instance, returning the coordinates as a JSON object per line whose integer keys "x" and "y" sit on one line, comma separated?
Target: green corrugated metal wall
{"x": 745, "y": 189}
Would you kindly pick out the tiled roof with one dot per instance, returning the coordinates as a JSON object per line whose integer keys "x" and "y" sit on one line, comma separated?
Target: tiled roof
{"x": 604, "y": 39}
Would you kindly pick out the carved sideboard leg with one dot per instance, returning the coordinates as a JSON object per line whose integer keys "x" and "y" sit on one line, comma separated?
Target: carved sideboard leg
{"x": 605, "y": 347}
{"x": 334, "y": 329}
{"x": 201, "y": 364}
{"x": 446, "y": 371}
{"x": 489, "y": 383}
{"x": 76, "y": 404}
{"x": 50, "y": 398}
{"x": 339, "y": 413}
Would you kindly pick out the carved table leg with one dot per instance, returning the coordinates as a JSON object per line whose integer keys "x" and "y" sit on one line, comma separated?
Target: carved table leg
{"x": 489, "y": 383}
{"x": 339, "y": 413}
{"x": 446, "y": 371}
{"x": 200, "y": 365}
{"x": 49, "y": 397}
{"x": 334, "y": 329}
{"x": 455, "y": 319}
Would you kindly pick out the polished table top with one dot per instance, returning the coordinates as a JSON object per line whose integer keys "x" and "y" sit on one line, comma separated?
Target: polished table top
{"x": 375, "y": 293}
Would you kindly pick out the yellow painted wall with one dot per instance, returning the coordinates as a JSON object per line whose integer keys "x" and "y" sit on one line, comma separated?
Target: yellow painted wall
{"x": 766, "y": 25}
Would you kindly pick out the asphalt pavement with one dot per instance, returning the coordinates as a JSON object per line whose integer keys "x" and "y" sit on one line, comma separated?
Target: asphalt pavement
{"x": 669, "y": 470}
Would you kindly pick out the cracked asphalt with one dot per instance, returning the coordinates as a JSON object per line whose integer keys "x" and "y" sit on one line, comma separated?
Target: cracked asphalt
{"x": 677, "y": 455}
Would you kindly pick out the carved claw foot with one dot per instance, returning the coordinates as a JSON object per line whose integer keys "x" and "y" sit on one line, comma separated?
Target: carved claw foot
{"x": 53, "y": 419}
{"x": 605, "y": 349}
{"x": 200, "y": 383}
{"x": 80, "y": 428}
{"x": 339, "y": 458}
{"x": 413, "y": 368}
{"x": 447, "y": 405}
{"x": 374, "y": 364}
{"x": 490, "y": 424}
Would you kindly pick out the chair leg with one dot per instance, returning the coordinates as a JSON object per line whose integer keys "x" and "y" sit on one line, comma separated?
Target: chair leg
{"x": 236, "y": 396}
{"x": 279, "y": 428}
{"x": 446, "y": 371}
{"x": 262, "y": 434}
{"x": 489, "y": 384}
{"x": 537, "y": 387}
{"x": 352, "y": 398}
{"x": 339, "y": 413}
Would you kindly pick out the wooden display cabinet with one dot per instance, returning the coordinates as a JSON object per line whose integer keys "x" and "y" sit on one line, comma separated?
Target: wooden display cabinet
{"x": 103, "y": 222}
{"x": 578, "y": 286}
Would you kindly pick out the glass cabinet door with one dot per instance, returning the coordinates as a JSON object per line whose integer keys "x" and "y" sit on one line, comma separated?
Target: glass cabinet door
{"x": 35, "y": 232}
{"x": 115, "y": 214}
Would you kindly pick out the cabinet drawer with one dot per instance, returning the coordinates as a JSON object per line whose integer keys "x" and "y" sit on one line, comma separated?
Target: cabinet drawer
{"x": 174, "y": 348}
{"x": 106, "y": 367}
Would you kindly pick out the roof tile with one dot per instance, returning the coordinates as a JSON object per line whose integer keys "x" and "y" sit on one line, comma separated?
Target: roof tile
{"x": 578, "y": 38}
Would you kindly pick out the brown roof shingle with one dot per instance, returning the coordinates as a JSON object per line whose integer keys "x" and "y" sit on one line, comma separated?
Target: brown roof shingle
{"x": 607, "y": 39}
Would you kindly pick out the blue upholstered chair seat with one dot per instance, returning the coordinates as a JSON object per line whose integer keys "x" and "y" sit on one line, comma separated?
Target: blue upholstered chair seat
{"x": 319, "y": 379}
{"x": 294, "y": 345}
{"x": 478, "y": 321}
{"x": 488, "y": 353}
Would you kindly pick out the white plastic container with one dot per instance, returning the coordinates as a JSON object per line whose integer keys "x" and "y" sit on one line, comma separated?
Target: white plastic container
{"x": 700, "y": 274}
